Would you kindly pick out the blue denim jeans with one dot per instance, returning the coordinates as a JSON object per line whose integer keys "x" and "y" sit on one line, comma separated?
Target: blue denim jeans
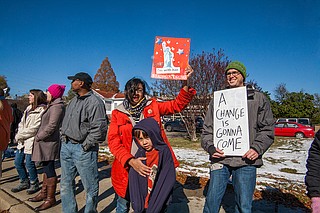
{"x": 123, "y": 205}
{"x": 23, "y": 163}
{"x": 73, "y": 161}
{"x": 243, "y": 181}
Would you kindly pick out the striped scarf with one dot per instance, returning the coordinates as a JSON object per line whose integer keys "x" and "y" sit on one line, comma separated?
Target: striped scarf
{"x": 135, "y": 111}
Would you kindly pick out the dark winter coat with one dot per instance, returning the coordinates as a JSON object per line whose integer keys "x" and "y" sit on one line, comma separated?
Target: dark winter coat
{"x": 165, "y": 178}
{"x": 46, "y": 146}
{"x": 312, "y": 179}
{"x": 17, "y": 115}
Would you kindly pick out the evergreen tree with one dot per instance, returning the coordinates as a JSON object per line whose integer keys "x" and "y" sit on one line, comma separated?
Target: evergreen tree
{"x": 3, "y": 82}
{"x": 105, "y": 78}
{"x": 69, "y": 96}
{"x": 4, "y": 85}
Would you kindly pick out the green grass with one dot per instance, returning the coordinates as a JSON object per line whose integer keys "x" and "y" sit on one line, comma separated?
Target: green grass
{"x": 188, "y": 163}
{"x": 180, "y": 142}
{"x": 289, "y": 170}
{"x": 274, "y": 161}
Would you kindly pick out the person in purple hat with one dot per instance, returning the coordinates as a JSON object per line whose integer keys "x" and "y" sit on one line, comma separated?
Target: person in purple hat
{"x": 46, "y": 148}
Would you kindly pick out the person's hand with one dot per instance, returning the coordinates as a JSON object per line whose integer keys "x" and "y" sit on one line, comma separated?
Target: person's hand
{"x": 315, "y": 204}
{"x": 136, "y": 164}
{"x": 189, "y": 71}
{"x": 251, "y": 154}
{"x": 218, "y": 154}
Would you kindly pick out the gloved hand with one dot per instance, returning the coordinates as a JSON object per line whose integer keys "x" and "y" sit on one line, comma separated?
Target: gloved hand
{"x": 315, "y": 205}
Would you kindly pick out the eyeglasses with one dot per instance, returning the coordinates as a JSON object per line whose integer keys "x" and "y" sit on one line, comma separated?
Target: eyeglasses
{"x": 234, "y": 73}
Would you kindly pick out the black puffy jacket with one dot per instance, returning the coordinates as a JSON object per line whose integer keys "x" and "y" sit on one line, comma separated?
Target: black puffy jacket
{"x": 312, "y": 179}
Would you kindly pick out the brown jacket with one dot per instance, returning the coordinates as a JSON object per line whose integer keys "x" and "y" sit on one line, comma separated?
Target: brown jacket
{"x": 47, "y": 141}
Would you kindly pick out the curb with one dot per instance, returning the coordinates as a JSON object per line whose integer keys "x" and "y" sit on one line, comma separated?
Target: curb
{"x": 12, "y": 205}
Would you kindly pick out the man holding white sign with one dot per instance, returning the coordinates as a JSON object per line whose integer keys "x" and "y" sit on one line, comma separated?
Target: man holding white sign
{"x": 237, "y": 131}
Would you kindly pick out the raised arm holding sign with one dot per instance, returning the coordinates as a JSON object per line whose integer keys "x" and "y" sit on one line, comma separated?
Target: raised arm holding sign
{"x": 136, "y": 106}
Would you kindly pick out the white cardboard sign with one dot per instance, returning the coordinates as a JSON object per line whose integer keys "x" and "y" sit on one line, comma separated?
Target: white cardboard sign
{"x": 231, "y": 127}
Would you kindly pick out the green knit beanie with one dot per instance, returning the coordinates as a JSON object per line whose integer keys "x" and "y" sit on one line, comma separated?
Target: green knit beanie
{"x": 238, "y": 66}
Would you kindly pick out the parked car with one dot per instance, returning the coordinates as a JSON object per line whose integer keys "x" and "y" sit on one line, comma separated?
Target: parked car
{"x": 175, "y": 125}
{"x": 178, "y": 125}
{"x": 293, "y": 129}
{"x": 304, "y": 121}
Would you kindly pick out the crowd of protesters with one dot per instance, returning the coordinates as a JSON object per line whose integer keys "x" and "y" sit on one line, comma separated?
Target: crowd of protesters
{"x": 143, "y": 170}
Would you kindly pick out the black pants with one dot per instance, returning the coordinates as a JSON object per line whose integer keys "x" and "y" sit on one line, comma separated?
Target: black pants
{"x": 48, "y": 168}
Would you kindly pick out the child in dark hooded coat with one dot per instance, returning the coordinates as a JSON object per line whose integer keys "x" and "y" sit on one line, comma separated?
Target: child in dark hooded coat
{"x": 151, "y": 193}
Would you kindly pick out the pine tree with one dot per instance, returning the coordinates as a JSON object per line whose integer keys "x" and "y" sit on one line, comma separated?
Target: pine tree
{"x": 69, "y": 96}
{"x": 105, "y": 79}
{"x": 4, "y": 85}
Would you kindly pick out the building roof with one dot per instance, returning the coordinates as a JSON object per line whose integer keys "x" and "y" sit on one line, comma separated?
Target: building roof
{"x": 110, "y": 95}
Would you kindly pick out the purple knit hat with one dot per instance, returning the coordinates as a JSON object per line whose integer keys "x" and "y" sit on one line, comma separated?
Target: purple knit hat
{"x": 56, "y": 90}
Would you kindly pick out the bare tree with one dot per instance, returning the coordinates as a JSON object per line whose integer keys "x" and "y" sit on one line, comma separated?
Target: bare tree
{"x": 316, "y": 100}
{"x": 281, "y": 93}
{"x": 208, "y": 76}
{"x": 105, "y": 78}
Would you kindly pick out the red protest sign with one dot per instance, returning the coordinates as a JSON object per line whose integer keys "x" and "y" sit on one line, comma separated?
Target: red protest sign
{"x": 170, "y": 58}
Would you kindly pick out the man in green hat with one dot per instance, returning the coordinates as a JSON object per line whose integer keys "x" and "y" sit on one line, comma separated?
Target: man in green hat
{"x": 243, "y": 169}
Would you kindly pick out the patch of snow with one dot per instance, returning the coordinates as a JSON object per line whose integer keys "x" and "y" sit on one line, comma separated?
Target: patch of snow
{"x": 287, "y": 161}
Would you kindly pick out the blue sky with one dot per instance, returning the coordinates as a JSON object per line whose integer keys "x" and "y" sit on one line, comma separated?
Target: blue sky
{"x": 43, "y": 42}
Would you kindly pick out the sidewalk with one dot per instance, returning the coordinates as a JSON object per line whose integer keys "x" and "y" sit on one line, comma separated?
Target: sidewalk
{"x": 18, "y": 202}
{"x": 185, "y": 199}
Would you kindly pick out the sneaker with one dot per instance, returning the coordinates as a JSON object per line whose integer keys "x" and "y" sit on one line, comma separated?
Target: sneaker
{"x": 22, "y": 186}
{"x": 34, "y": 187}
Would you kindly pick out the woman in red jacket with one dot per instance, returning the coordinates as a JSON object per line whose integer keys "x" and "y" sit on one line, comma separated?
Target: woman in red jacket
{"x": 137, "y": 106}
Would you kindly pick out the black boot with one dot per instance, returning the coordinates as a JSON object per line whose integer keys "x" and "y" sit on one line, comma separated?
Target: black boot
{"x": 24, "y": 184}
{"x": 34, "y": 187}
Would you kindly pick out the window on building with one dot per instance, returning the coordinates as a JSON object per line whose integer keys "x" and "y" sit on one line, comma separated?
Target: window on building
{"x": 108, "y": 106}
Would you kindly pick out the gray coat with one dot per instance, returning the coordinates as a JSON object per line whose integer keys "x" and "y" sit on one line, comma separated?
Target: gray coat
{"x": 46, "y": 146}
{"x": 85, "y": 121}
{"x": 261, "y": 130}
